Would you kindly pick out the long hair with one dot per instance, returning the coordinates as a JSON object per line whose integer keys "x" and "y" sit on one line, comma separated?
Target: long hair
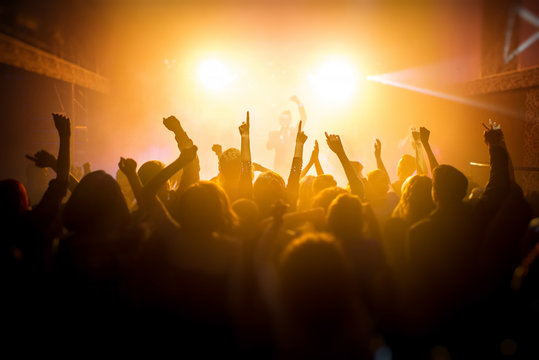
{"x": 204, "y": 208}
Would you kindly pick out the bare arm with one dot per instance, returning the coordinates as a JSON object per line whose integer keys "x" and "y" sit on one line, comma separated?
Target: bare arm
{"x": 49, "y": 205}
{"x": 500, "y": 170}
{"x": 314, "y": 161}
{"x": 186, "y": 157}
{"x": 260, "y": 168}
{"x": 217, "y": 149}
{"x": 191, "y": 172}
{"x": 335, "y": 144}
{"x": 292, "y": 186}
{"x": 424, "y": 134}
{"x": 378, "y": 156}
{"x": 45, "y": 159}
{"x": 246, "y": 175}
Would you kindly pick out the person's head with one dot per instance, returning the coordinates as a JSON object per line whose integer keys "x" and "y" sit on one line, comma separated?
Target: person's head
{"x": 326, "y": 196}
{"x": 377, "y": 182}
{"x": 322, "y": 182}
{"x": 416, "y": 199}
{"x": 268, "y": 188}
{"x": 345, "y": 217}
{"x": 314, "y": 280}
{"x": 285, "y": 118}
{"x": 96, "y": 205}
{"x": 449, "y": 185}
{"x": 406, "y": 166}
{"x": 203, "y": 208}
{"x": 13, "y": 199}
{"x": 247, "y": 211}
{"x": 147, "y": 172}
{"x": 305, "y": 193}
{"x": 230, "y": 165}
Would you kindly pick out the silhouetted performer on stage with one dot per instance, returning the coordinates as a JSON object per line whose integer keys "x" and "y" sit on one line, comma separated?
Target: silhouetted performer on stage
{"x": 283, "y": 140}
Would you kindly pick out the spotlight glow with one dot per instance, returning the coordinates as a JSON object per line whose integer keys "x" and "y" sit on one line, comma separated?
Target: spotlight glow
{"x": 335, "y": 80}
{"x": 386, "y": 80}
{"x": 215, "y": 75}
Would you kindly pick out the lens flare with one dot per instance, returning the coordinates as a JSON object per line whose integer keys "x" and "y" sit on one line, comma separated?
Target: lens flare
{"x": 335, "y": 80}
{"x": 215, "y": 75}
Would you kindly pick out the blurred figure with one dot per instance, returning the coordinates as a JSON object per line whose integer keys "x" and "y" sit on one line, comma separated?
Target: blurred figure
{"x": 405, "y": 168}
{"x": 147, "y": 171}
{"x": 282, "y": 141}
{"x": 229, "y": 172}
{"x": 268, "y": 188}
{"x": 378, "y": 195}
{"x": 321, "y": 314}
{"x": 416, "y": 200}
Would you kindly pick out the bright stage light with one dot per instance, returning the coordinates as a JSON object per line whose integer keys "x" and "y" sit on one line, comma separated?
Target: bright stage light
{"x": 336, "y": 80}
{"x": 215, "y": 75}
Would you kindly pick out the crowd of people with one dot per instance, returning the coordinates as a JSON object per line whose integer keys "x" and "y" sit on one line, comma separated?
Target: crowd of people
{"x": 247, "y": 264}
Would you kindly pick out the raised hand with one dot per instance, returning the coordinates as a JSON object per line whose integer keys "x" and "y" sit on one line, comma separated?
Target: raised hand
{"x": 416, "y": 136}
{"x": 300, "y": 137}
{"x": 316, "y": 152}
{"x": 245, "y": 126}
{"x": 172, "y": 123}
{"x": 127, "y": 166}
{"x": 188, "y": 154}
{"x": 295, "y": 99}
{"x": 377, "y": 148}
{"x": 334, "y": 143}
{"x": 493, "y": 134}
{"x": 217, "y": 149}
{"x": 87, "y": 167}
{"x": 43, "y": 159}
{"x": 62, "y": 124}
{"x": 424, "y": 135}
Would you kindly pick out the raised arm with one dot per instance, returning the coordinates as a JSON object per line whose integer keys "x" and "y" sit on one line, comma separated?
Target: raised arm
{"x": 292, "y": 186}
{"x": 335, "y": 144}
{"x": 500, "y": 172}
{"x": 63, "y": 125}
{"x": 378, "y": 156}
{"x": 87, "y": 167}
{"x": 150, "y": 203}
{"x": 191, "y": 172}
{"x": 424, "y": 135}
{"x": 246, "y": 175}
{"x": 419, "y": 156}
{"x": 129, "y": 168}
{"x": 49, "y": 205}
{"x": 45, "y": 159}
{"x": 185, "y": 159}
{"x": 260, "y": 168}
{"x": 217, "y": 149}
{"x": 314, "y": 160}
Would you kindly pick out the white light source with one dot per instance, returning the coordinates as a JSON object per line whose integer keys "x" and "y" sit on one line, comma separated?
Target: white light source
{"x": 214, "y": 74}
{"x": 335, "y": 80}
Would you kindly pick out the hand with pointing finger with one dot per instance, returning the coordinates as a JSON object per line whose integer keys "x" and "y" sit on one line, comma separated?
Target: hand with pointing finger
{"x": 300, "y": 137}
{"x": 334, "y": 143}
{"x": 245, "y": 126}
